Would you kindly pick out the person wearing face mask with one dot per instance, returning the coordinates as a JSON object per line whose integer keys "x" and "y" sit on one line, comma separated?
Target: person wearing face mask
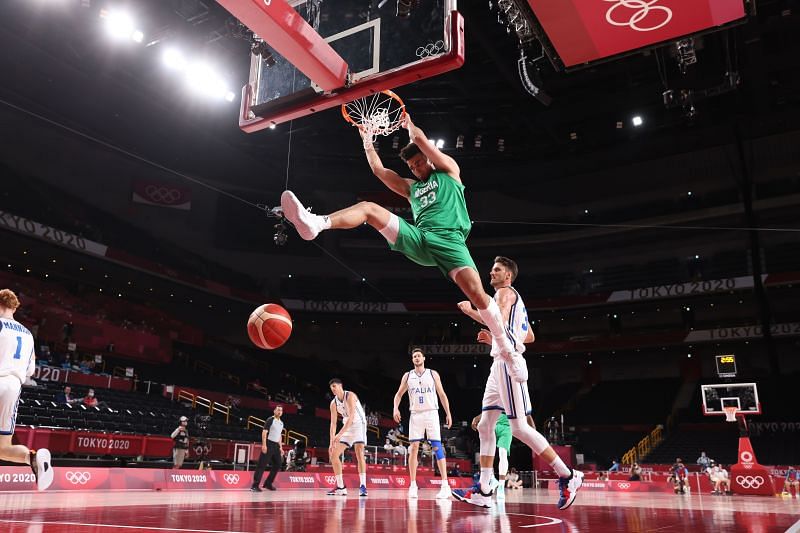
{"x": 89, "y": 400}
{"x": 181, "y": 446}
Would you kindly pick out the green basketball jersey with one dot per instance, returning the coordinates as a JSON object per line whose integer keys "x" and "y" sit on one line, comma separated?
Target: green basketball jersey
{"x": 438, "y": 204}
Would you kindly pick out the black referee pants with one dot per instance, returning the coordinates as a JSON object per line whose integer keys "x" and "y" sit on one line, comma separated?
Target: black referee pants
{"x": 273, "y": 457}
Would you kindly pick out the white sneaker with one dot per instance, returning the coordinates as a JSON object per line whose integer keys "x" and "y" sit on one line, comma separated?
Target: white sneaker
{"x": 412, "y": 492}
{"x": 501, "y": 493}
{"x": 308, "y": 225}
{"x": 44, "y": 469}
{"x": 444, "y": 492}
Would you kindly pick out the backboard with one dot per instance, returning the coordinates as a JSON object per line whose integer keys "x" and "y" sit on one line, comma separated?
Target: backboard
{"x": 335, "y": 51}
{"x": 743, "y": 396}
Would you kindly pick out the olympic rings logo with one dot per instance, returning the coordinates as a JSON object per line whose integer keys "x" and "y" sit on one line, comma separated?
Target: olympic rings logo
{"x": 231, "y": 479}
{"x": 746, "y": 457}
{"x": 78, "y": 478}
{"x": 401, "y": 481}
{"x": 750, "y": 482}
{"x": 330, "y": 480}
{"x": 162, "y": 195}
{"x": 642, "y": 8}
{"x": 430, "y": 49}
{"x": 624, "y": 485}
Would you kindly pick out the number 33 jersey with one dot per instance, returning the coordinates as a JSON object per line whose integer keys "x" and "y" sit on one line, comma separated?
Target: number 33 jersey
{"x": 438, "y": 204}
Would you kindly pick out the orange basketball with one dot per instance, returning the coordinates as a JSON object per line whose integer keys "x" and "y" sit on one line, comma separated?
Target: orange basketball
{"x": 269, "y": 326}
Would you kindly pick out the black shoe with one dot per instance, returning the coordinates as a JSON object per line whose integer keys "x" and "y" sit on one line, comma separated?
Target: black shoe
{"x": 269, "y": 487}
{"x": 255, "y": 489}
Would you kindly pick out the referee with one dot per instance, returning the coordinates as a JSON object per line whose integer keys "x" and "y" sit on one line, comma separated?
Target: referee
{"x": 270, "y": 451}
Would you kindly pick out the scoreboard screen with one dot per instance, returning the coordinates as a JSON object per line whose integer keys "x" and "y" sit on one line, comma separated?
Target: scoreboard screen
{"x": 726, "y": 366}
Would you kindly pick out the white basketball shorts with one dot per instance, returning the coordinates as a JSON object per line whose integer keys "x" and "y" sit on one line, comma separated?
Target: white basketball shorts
{"x": 505, "y": 394}
{"x": 424, "y": 424}
{"x": 10, "y": 388}
{"x": 356, "y": 434}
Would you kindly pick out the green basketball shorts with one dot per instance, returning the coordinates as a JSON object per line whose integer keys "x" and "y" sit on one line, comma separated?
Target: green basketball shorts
{"x": 503, "y": 435}
{"x": 443, "y": 249}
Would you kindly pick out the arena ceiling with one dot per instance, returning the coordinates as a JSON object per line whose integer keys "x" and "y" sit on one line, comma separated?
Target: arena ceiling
{"x": 59, "y": 64}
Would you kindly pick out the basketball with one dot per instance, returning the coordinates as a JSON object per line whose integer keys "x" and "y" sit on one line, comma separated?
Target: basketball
{"x": 269, "y": 326}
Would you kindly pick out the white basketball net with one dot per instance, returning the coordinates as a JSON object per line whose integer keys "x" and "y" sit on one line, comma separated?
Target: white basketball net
{"x": 379, "y": 114}
{"x": 730, "y": 414}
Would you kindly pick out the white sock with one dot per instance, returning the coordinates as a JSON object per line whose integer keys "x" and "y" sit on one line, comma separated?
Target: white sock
{"x": 362, "y": 478}
{"x": 339, "y": 481}
{"x": 536, "y": 442}
{"x": 486, "y": 478}
{"x": 561, "y": 469}
{"x": 502, "y": 468}
{"x": 325, "y": 222}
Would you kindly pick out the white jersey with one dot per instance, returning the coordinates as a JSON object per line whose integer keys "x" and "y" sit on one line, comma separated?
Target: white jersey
{"x": 518, "y": 325}
{"x": 16, "y": 350}
{"x": 341, "y": 408}
{"x": 422, "y": 391}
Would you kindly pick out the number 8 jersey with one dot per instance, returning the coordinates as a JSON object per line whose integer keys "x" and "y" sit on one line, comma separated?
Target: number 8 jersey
{"x": 16, "y": 350}
{"x": 422, "y": 392}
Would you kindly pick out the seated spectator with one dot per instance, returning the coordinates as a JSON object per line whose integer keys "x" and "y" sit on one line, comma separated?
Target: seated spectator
{"x": 392, "y": 436}
{"x": 614, "y": 466}
{"x": 636, "y": 472}
{"x": 512, "y": 480}
{"x": 704, "y": 461}
{"x": 65, "y": 397}
{"x": 66, "y": 363}
{"x": 719, "y": 480}
{"x": 297, "y": 458}
{"x": 89, "y": 400}
{"x": 426, "y": 449}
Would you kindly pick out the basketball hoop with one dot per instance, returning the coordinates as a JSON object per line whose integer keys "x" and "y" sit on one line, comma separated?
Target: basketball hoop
{"x": 379, "y": 114}
{"x": 730, "y": 413}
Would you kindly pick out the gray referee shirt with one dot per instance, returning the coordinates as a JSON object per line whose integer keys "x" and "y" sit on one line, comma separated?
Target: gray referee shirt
{"x": 275, "y": 429}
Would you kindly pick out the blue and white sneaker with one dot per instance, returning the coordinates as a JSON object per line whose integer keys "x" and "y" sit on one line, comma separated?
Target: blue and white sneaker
{"x": 473, "y": 497}
{"x": 568, "y": 488}
{"x": 362, "y": 490}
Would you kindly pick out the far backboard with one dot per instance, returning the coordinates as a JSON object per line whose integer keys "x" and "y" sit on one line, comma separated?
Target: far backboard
{"x": 743, "y": 396}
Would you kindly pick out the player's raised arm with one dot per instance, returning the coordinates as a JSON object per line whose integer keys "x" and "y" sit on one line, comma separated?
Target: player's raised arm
{"x": 398, "y": 397}
{"x": 389, "y": 177}
{"x": 443, "y": 398}
{"x": 440, "y": 160}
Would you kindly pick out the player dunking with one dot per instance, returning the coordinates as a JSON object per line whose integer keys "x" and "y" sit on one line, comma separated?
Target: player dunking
{"x": 17, "y": 363}
{"x": 507, "y": 391}
{"x": 353, "y": 433}
{"x": 441, "y": 222}
{"x": 423, "y": 386}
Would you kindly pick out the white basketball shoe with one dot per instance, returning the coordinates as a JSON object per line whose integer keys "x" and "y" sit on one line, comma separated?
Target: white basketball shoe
{"x": 307, "y": 224}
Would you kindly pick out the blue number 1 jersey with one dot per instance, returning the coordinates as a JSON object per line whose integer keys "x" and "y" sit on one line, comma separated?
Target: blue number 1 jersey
{"x": 16, "y": 350}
